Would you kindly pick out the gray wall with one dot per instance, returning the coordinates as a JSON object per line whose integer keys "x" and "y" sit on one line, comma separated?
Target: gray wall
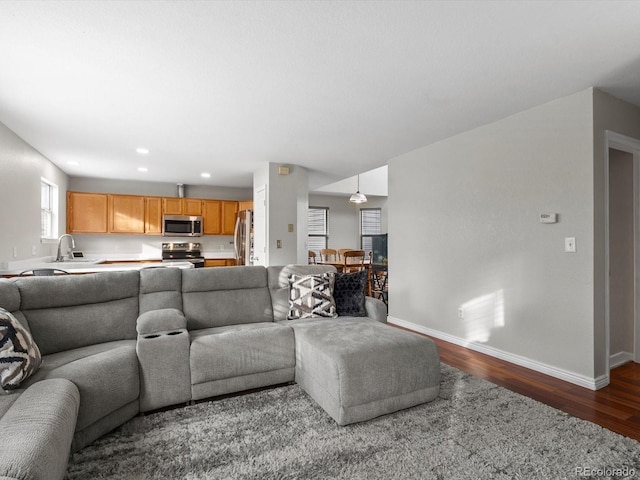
{"x": 286, "y": 204}
{"x": 21, "y": 168}
{"x": 479, "y": 269}
{"x": 471, "y": 204}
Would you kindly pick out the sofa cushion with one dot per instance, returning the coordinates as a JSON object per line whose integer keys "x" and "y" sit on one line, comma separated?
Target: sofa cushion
{"x": 214, "y": 297}
{"x": 73, "y": 311}
{"x": 19, "y": 354}
{"x": 348, "y": 293}
{"x": 311, "y": 296}
{"x": 238, "y": 350}
{"x": 107, "y": 376}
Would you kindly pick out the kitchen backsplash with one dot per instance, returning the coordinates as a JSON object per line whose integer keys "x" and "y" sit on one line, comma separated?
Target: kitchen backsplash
{"x": 143, "y": 246}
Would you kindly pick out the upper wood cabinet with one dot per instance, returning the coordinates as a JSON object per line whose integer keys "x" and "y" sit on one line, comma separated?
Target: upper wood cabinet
{"x": 181, "y": 206}
{"x": 211, "y": 214}
{"x": 229, "y": 210}
{"x": 153, "y": 216}
{"x": 172, "y": 206}
{"x": 126, "y": 214}
{"x": 135, "y": 214}
{"x": 191, "y": 206}
{"x": 87, "y": 212}
{"x": 245, "y": 205}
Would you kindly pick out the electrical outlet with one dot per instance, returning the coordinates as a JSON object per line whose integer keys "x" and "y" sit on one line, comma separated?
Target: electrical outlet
{"x": 34, "y": 250}
{"x": 460, "y": 312}
{"x": 15, "y": 252}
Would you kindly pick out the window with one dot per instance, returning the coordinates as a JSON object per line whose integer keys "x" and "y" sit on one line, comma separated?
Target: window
{"x": 318, "y": 228}
{"x": 48, "y": 210}
{"x": 370, "y": 224}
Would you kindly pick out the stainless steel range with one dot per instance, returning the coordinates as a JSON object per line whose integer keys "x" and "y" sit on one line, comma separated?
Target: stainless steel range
{"x": 183, "y": 252}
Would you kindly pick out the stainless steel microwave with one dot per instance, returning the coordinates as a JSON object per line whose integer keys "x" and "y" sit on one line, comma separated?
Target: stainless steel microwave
{"x": 181, "y": 226}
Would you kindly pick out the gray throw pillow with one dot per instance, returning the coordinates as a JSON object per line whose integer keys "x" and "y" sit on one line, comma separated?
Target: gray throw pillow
{"x": 19, "y": 354}
{"x": 311, "y": 296}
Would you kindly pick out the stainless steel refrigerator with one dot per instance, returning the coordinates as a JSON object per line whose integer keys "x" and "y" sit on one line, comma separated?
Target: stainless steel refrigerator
{"x": 243, "y": 238}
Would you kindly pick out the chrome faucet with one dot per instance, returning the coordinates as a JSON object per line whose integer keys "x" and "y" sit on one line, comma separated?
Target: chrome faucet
{"x": 59, "y": 256}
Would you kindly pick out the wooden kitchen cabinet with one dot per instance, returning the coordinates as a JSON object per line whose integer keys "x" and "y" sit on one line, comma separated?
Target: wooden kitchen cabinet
{"x": 245, "y": 205}
{"x": 153, "y": 216}
{"x": 137, "y": 214}
{"x": 211, "y": 214}
{"x": 181, "y": 206}
{"x": 87, "y": 212}
{"x": 126, "y": 214}
{"x": 219, "y": 262}
{"x": 191, "y": 206}
{"x": 229, "y": 210}
{"x": 172, "y": 206}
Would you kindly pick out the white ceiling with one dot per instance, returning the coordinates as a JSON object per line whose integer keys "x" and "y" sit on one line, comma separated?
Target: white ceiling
{"x": 337, "y": 87}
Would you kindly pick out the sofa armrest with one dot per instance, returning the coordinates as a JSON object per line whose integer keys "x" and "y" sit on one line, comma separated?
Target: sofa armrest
{"x": 376, "y": 309}
{"x": 37, "y": 431}
{"x": 161, "y": 320}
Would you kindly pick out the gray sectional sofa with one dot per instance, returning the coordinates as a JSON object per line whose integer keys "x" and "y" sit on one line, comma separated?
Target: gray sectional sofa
{"x": 115, "y": 344}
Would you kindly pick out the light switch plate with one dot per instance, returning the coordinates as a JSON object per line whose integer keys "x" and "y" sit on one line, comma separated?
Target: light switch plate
{"x": 570, "y": 244}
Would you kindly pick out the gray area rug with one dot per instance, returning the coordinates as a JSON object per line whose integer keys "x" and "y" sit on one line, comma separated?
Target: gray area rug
{"x": 475, "y": 429}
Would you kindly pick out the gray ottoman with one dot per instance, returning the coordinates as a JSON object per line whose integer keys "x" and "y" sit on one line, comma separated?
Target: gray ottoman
{"x": 358, "y": 369}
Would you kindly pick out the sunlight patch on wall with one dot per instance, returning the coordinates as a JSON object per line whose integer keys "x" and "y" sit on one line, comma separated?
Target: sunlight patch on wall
{"x": 482, "y": 314}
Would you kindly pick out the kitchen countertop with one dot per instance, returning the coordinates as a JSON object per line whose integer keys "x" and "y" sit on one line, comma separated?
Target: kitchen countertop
{"x": 93, "y": 266}
{"x": 93, "y": 262}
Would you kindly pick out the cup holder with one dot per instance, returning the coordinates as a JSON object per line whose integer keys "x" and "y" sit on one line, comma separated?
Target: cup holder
{"x": 156, "y": 335}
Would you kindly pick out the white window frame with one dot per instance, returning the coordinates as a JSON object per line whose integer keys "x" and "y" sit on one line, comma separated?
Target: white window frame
{"x": 49, "y": 210}
{"x": 369, "y": 228}
{"x": 318, "y": 237}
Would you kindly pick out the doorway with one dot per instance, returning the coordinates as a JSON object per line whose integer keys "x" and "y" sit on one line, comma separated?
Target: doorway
{"x": 623, "y": 240}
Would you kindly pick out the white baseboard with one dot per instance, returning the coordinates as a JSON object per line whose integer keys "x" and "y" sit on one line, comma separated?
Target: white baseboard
{"x": 566, "y": 375}
{"x": 620, "y": 358}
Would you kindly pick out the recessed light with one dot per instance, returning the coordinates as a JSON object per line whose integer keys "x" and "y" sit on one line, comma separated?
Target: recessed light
{"x": 205, "y": 175}
{"x": 143, "y": 169}
{"x": 142, "y": 151}
{"x": 73, "y": 162}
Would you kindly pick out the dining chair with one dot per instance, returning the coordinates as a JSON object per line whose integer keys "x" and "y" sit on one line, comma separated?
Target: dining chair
{"x": 341, "y": 253}
{"x": 328, "y": 255}
{"x": 311, "y": 257}
{"x": 43, "y": 272}
{"x": 380, "y": 283}
{"x": 353, "y": 261}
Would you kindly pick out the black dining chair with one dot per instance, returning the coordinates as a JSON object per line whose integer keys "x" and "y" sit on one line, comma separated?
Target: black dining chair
{"x": 43, "y": 272}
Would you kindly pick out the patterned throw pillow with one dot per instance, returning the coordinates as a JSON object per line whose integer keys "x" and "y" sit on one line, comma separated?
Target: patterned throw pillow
{"x": 349, "y": 293}
{"x": 19, "y": 355}
{"x": 311, "y": 296}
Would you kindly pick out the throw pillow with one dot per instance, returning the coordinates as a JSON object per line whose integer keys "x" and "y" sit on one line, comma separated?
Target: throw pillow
{"x": 19, "y": 355}
{"x": 311, "y": 296}
{"x": 349, "y": 293}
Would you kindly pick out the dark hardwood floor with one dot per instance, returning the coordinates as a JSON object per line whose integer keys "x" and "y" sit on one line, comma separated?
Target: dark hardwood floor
{"x": 615, "y": 407}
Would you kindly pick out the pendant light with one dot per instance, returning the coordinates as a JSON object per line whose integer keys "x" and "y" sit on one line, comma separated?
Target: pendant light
{"x": 358, "y": 197}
